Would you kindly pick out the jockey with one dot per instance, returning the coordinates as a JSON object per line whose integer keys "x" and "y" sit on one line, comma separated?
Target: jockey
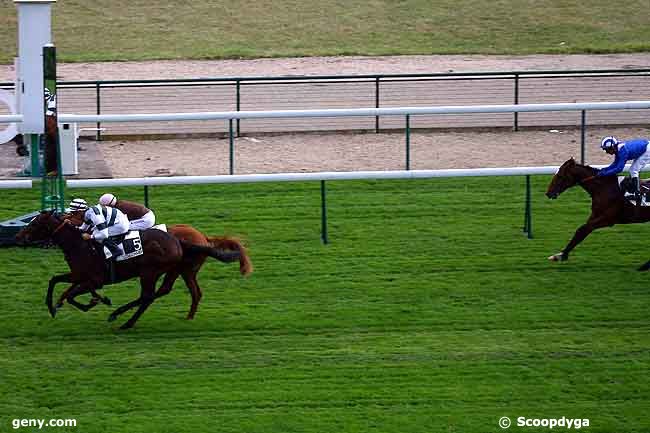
{"x": 636, "y": 150}
{"x": 109, "y": 225}
{"x": 140, "y": 218}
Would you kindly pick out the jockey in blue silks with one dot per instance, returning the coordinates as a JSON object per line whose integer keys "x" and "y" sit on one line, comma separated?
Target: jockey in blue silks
{"x": 636, "y": 150}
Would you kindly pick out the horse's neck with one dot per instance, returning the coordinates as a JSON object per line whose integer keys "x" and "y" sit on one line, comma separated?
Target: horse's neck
{"x": 592, "y": 183}
{"x": 584, "y": 171}
{"x": 68, "y": 240}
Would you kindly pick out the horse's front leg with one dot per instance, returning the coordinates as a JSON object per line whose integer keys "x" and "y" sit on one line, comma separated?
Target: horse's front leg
{"x": 63, "y": 278}
{"x": 581, "y": 233}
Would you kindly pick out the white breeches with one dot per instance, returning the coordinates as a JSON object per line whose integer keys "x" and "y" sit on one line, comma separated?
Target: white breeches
{"x": 146, "y": 222}
{"x": 639, "y": 163}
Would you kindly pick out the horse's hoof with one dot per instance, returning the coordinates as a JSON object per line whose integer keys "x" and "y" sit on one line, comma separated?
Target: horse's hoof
{"x": 559, "y": 257}
{"x": 52, "y": 312}
{"x": 644, "y": 267}
{"x": 112, "y": 318}
{"x": 107, "y": 301}
{"x": 126, "y": 326}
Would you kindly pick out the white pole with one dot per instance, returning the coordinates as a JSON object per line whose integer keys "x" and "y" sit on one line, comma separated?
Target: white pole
{"x": 34, "y": 31}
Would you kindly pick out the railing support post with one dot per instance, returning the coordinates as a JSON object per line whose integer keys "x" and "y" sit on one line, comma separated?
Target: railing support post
{"x": 528, "y": 228}
{"x": 231, "y": 147}
{"x": 376, "y": 103}
{"x": 98, "y": 102}
{"x": 408, "y": 142}
{"x": 516, "y": 102}
{"x": 323, "y": 212}
{"x": 238, "y": 105}
{"x": 583, "y": 135}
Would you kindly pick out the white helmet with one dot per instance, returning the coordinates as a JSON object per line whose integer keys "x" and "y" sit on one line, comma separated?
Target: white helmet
{"x": 78, "y": 204}
{"x": 608, "y": 143}
{"x": 108, "y": 200}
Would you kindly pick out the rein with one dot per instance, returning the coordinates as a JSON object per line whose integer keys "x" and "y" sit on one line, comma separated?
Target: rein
{"x": 59, "y": 227}
{"x": 586, "y": 179}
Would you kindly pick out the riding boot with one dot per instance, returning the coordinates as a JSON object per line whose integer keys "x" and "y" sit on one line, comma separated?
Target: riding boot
{"x": 115, "y": 252}
{"x": 636, "y": 184}
{"x": 112, "y": 247}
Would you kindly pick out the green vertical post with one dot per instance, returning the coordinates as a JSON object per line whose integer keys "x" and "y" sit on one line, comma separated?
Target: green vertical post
{"x": 238, "y": 105}
{"x": 98, "y": 103}
{"x": 376, "y": 103}
{"x": 323, "y": 212}
{"x": 516, "y": 102}
{"x": 52, "y": 189}
{"x": 232, "y": 147}
{"x": 34, "y": 155}
{"x": 528, "y": 229}
{"x": 146, "y": 196}
{"x": 583, "y": 133}
{"x": 408, "y": 142}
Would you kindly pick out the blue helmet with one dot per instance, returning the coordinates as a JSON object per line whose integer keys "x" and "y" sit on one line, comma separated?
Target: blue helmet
{"x": 608, "y": 143}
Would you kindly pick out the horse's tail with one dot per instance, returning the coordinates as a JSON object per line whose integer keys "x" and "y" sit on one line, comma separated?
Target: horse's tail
{"x": 226, "y": 256}
{"x": 234, "y": 245}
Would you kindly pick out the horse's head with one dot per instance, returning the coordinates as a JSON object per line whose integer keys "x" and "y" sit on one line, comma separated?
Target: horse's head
{"x": 74, "y": 218}
{"x": 565, "y": 178}
{"x": 42, "y": 227}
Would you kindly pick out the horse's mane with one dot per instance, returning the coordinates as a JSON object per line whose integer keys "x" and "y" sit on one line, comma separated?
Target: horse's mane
{"x": 591, "y": 169}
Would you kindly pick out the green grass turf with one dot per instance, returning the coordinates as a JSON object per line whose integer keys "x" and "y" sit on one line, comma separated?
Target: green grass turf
{"x": 429, "y": 311}
{"x": 175, "y": 29}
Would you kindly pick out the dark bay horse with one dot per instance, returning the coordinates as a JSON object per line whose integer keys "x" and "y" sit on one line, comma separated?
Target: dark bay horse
{"x": 162, "y": 253}
{"x": 608, "y": 204}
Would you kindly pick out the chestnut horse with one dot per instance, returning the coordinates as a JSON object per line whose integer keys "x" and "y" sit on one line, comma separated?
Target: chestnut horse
{"x": 608, "y": 204}
{"x": 191, "y": 266}
{"x": 162, "y": 253}
{"x": 188, "y": 268}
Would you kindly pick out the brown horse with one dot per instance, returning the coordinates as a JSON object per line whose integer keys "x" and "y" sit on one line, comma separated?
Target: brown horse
{"x": 162, "y": 253}
{"x": 191, "y": 266}
{"x": 188, "y": 268}
{"x": 608, "y": 204}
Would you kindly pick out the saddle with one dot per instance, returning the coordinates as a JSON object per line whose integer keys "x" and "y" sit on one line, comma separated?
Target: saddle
{"x": 625, "y": 184}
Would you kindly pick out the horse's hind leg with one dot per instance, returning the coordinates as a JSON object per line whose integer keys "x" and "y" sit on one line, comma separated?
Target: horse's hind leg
{"x": 123, "y": 309}
{"x": 147, "y": 296}
{"x": 83, "y": 307}
{"x": 73, "y": 292}
{"x": 195, "y": 291}
{"x": 167, "y": 284}
{"x": 99, "y": 298}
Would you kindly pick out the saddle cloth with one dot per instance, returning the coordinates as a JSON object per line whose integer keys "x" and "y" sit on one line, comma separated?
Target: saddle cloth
{"x": 130, "y": 247}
